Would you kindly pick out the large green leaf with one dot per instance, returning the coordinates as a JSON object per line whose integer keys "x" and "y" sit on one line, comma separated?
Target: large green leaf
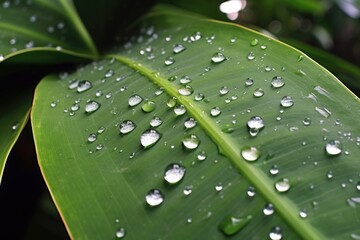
{"x": 99, "y": 177}
{"x": 42, "y": 26}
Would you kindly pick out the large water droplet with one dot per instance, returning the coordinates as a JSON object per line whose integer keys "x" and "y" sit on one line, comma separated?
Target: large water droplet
{"x": 92, "y": 106}
{"x": 154, "y": 197}
{"x": 148, "y": 106}
{"x": 277, "y": 82}
{"x": 268, "y": 209}
{"x": 275, "y": 233}
{"x": 287, "y": 101}
{"x": 283, "y": 185}
{"x": 190, "y": 123}
{"x": 169, "y": 61}
{"x": 231, "y": 225}
{"x": 191, "y": 142}
{"x": 178, "y": 48}
{"x": 333, "y": 147}
{"x": 155, "y": 121}
{"x": 256, "y": 122}
{"x": 127, "y": 126}
{"x": 83, "y": 86}
{"x": 174, "y": 173}
{"x": 214, "y": 112}
{"x": 355, "y": 236}
{"x": 218, "y": 57}
{"x": 121, "y": 233}
{"x": 134, "y": 100}
{"x": 250, "y": 154}
{"x": 180, "y": 110}
{"x": 186, "y": 90}
{"x": 149, "y": 138}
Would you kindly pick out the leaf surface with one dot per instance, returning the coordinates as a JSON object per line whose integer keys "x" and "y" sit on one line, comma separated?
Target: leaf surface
{"x": 99, "y": 175}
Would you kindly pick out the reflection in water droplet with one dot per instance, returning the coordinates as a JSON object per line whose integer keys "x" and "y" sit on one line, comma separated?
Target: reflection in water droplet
{"x": 120, "y": 233}
{"x": 258, "y": 92}
{"x": 83, "y": 86}
{"x": 190, "y": 123}
{"x": 218, "y": 58}
{"x": 333, "y": 147}
{"x": 231, "y": 225}
{"x": 249, "y": 82}
{"x": 149, "y": 138}
{"x": 92, "y": 137}
{"x": 277, "y": 82}
{"x": 186, "y": 90}
{"x": 180, "y": 110}
{"x": 307, "y": 121}
{"x": 256, "y": 122}
{"x": 178, "y": 48}
{"x": 275, "y": 233}
{"x": 191, "y": 142}
{"x": 148, "y": 106}
{"x": 214, "y": 112}
{"x": 127, "y": 126}
{"x": 268, "y": 209}
{"x": 92, "y": 106}
{"x": 283, "y": 185}
{"x": 174, "y": 173}
{"x": 154, "y": 197}
{"x": 251, "y": 56}
{"x": 155, "y": 121}
{"x": 134, "y": 100}
{"x": 250, "y": 154}
{"x": 187, "y": 190}
{"x": 169, "y": 61}
{"x": 287, "y": 101}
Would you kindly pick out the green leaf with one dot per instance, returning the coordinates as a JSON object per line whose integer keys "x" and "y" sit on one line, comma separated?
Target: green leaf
{"x": 42, "y": 26}
{"x": 14, "y": 116}
{"x": 102, "y": 160}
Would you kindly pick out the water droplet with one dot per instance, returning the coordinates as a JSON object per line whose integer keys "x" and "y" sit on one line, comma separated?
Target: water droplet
{"x": 254, "y": 42}
{"x": 251, "y": 191}
{"x": 185, "y": 79}
{"x": 231, "y": 225}
{"x": 180, "y": 110}
{"x": 224, "y": 90}
{"x": 134, "y": 100}
{"x": 99, "y": 147}
{"x": 251, "y": 56}
{"x": 98, "y": 93}
{"x": 198, "y": 97}
{"x": 277, "y": 82}
{"x": 92, "y": 106}
{"x": 256, "y": 122}
{"x": 154, "y": 198}
{"x": 53, "y": 104}
{"x": 108, "y": 95}
{"x": 178, "y": 48}
{"x": 190, "y": 123}
{"x": 329, "y": 175}
{"x": 283, "y": 185}
{"x": 148, "y": 106}
{"x": 275, "y": 233}
{"x": 307, "y": 121}
{"x": 75, "y": 107}
{"x": 214, "y": 112}
{"x": 82, "y": 86}
{"x": 353, "y": 201}
{"x": 249, "y": 82}
{"x": 355, "y": 236}
{"x": 191, "y": 142}
{"x": 258, "y": 92}
{"x": 187, "y": 190}
{"x": 202, "y": 156}
{"x": 268, "y": 209}
{"x": 174, "y": 173}
{"x": 186, "y": 90}
{"x": 274, "y": 170}
{"x": 109, "y": 73}
{"x": 219, "y": 187}
{"x": 171, "y": 102}
{"x": 149, "y": 138}
{"x": 121, "y": 233}
{"x": 323, "y": 112}
{"x": 268, "y": 68}
{"x": 127, "y": 126}
{"x": 218, "y": 57}
{"x": 155, "y": 122}
{"x": 358, "y": 186}
{"x": 333, "y": 147}
{"x": 287, "y": 102}
{"x": 250, "y": 154}
{"x": 303, "y": 213}
{"x": 172, "y": 78}
{"x": 169, "y": 61}
{"x": 300, "y": 57}
{"x": 92, "y": 137}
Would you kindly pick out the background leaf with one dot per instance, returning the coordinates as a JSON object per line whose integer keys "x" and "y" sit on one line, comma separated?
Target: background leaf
{"x": 99, "y": 177}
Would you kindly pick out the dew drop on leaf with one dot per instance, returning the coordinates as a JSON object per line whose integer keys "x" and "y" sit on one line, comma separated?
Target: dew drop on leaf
{"x": 251, "y": 191}
{"x": 190, "y": 123}
{"x": 355, "y": 236}
{"x": 259, "y": 92}
{"x": 275, "y": 233}
{"x": 191, "y": 142}
{"x": 155, "y": 121}
{"x": 154, "y": 197}
{"x": 249, "y": 82}
{"x": 185, "y": 79}
{"x": 218, "y": 57}
{"x": 134, "y": 100}
{"x": 83, "y": 86}
{"x": 256, "y": 122}
{"x": 333, "y": 147}
{"x": 329, "y": 175}
{"x": 223, "y": 90}
{"x": 219, "y": 187}
{"x": 178, "y": 48}
{"x": 307, "y": 121}
{"x": 174, "y": 173}
{"x": 169, "y": 61}
{"x": 109, "y": 73}
{"x": 277, "y": 82}
{"x": 268, "y": 209}
{"x": 283, "y": 185}
{"x": 99, "y": 147}
{"x": 53, "y": 104}
{"x": 202, "y": 156}
{"x": 250, "y": 154}
{"x": 254, "y": 42}
{"x": 149, "y": 138}
{"x": 148, "y": 106}
{"x": 92, "y": 137}
{"x": 180, "y": 110}
{"x": 172, "y": 78}
{"x": 186, "y": 90}
{"x": 274, "y": 170}
{"x": 127, "y": 126}
{"x": 198, "y": 97}
{"x": 92, "y": 106}
{"x": 303, "y": 213}
{"x": 287, "y": 102}
{"x": 121, "y": 233}
{"x": 74, "y": 84}
{"x": 251, "y": 56}
{"x": 171, "y": 102}
{"x": 353, "y": 201}
{"x": 231, "y": 225}
{"x": 187, "y": 190}
{"x": 214, "y": 112}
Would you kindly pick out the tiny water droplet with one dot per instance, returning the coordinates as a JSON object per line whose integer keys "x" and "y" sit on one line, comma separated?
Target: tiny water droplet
{"x": 127, "y": 126}
{"x": 99, "y": 147}
{"x": 180, "y": 110}
{"x": 198, "y": 97}
{"x": 171, "y": 102}
{"x": 75, "y": 107}
{"x": 149, "y": 138}
{"x": 98, "y": 93}
{"x": 258, "y": 92}
{"x": 251, "y": 56}
{"x": 83, "y": 86}
{"x": 283, "y": 185}
{"x": 121, "y": 233}
{"x": 154, "y": 197}
{"x": 287, "y": 101}
{"x": 172, "y": 78}
{"x": 268, "y": 209}
{"x": 303, "y": 213}
{"x": 53, "y": 104}
{"x": 300, "y": 58}
{"x": 333, "y": 147}
{"x": 250, "y": 154}
{"x": 191, "y": 142}
{"x": 190, "y": 123}
{"x": 187, "y": 190}
{"x": 174, "y": 173}
{"x": 155, "y": 121}
{"x": 202, "y": 156}
{"x": 223, "y": 90}
{"x": 214, "y": 112}
{"x": 219, "y": 187}
{"x": 251, "y": 191}
{"x": 186, "y": 90}
{"x": 277, "y": 82}
{"x": 169, "y": 61}
{"x": 92, "y": 137}
{"x": 275, "y": 233}
{"x": 134, "y": 100}
{"x": 109, "y": 73}
{"x": 329, "y": 175}
{"x": 185, "y": 79}
{"x": 274, "y": 170}
{"x": 231, "y": 225}
{"x": 254, "y": 42}
{"x": 148, "y": 106}
{"x": 249, "y": 82}
{"x": 307, "y": 121}
{"x": 92, "y": 106}
{"x": 178, "y": 48}
{"x": 218, "y": 57}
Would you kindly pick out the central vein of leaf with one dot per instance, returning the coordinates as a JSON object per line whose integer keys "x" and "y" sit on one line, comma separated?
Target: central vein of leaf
{"x": 263, "y": 184}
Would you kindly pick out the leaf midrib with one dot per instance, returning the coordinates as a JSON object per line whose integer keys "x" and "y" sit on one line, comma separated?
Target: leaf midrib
{"x": 229, "y": 148}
